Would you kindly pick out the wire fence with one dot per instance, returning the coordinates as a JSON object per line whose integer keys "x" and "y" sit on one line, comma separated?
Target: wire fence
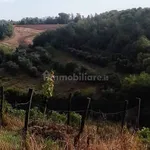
{"x": 88, "y": 112}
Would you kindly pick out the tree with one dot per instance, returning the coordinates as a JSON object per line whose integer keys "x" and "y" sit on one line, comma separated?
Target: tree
{"x": 48, "y": 88}
{"x": 142, "y": 43}
{"x": 63, "y": 18}
{"x": 6, "y": 29}
{"x": 78, "y": 17}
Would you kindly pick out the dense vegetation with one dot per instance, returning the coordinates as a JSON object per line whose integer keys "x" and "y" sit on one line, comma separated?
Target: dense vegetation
{"x": 110, "y": 36}
{"x": 6, "y": 29}
{"x": 34, "y": 61}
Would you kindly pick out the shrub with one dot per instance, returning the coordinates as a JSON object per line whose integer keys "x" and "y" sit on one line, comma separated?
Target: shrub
{"x": 45, "y": 57}
{"x": 144, "y": 135}
{"x": 33, "y": 71}
{"x": 6, "y": 29}
{"x": 142, "y": 80}
{"x": 11, "y": 67}
{"x": 59, "y": 118}
{"x": 35, "y": 59}
{"x": 75, "y": 119}
{"x": 15, "y": 112}
{"x": 36, "y": 114}
{"x": 24, "y": 63}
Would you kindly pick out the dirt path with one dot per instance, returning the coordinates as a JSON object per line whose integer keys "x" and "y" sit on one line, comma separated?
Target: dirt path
{"x": 26, "y": 33}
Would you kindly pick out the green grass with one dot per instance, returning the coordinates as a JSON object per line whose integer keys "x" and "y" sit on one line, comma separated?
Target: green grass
{"x": 7, "y": 49}
{"x": 11, "y": 138}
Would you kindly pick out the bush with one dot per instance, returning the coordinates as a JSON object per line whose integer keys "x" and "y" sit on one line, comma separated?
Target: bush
{"x": 36, "y": 114}
{"x": 33, "y": 71}
{"x": 24, "y": 63}
{"x": 59, "y": 118}
{"x": 6, "y": 29}
{"x": 75, "y": 119}
{"x": 142, "y": 80}
{"x": 35, "y": 59}
{"x": 11, "y": 67}
{"x": 45, "y": 58}
{"x": 144, "y": 135}
{"x": 15, "y": 112}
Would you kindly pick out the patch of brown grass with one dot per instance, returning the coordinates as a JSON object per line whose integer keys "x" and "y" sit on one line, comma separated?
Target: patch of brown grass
{"x": 106, "y": 137}
{"x": 52, "y": 136}
{"x": 6, "y": 146}
{"x": 12, "y": 123}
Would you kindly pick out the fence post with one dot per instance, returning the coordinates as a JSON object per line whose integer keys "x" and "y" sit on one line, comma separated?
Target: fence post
{"x": 139, "y": 111}
{"x": 45, "y": 107}
{"x": 85, "y": 115}
{"x": 1, "y": 105}
{"x": 30, "y": 95}
{"x": 124, "y": 114}
{"x": 69, "y": 108}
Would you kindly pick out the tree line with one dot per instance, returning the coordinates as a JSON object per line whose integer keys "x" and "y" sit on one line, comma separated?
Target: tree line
{"x": 62, "y": 18}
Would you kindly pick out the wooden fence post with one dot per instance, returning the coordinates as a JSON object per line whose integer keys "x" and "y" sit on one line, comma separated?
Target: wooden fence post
{"x": 85, "y": 115}
{"x": 139, "y": 111}
{"x": 1, "y": 105}
{"x": 69, "y": 108}
{"x": 45, "y": 107}
{"x": 30, "y": 95}
{"x": 124, "y": 114}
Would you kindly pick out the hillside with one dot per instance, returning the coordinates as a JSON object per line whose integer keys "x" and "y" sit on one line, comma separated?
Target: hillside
{"x": 26, "y": 33}
{"x": 115, "y": 44}
{"x": 106, "y": 38}
{"x": 106, "y": 112}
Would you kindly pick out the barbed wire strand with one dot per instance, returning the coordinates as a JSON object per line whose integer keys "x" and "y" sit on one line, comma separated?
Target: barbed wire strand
{"x": 100, "y": 112}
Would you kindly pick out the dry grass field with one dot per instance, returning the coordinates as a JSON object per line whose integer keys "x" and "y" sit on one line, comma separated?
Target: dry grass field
{"x": 26, "y": 33}
{"x": 54, "y": 136}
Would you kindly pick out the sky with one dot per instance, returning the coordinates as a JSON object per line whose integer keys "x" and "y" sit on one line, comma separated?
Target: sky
{"x": 18, "y": 9}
